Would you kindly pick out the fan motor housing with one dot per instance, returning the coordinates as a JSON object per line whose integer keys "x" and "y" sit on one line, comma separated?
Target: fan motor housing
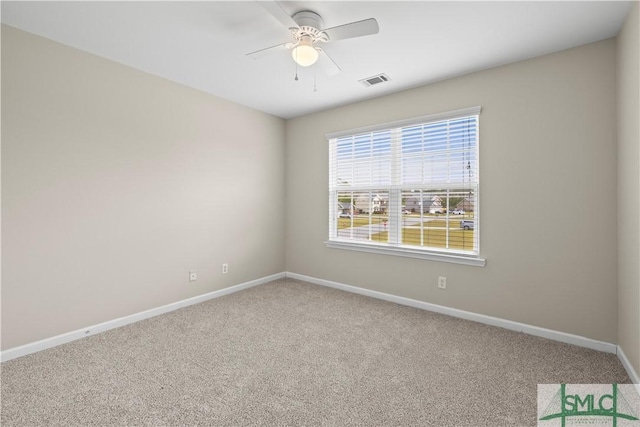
{"x": 306, "y": 18}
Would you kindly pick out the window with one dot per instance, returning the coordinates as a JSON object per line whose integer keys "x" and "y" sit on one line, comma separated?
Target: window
{"x": 408, "y": 188}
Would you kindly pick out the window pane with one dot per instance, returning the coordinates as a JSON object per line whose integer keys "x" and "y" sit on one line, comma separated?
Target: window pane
{"x": 439, "y": 152}
{"x": 428, "y": 172}
{"x": 363, "y": 215}
{"x": 439, "y": 219}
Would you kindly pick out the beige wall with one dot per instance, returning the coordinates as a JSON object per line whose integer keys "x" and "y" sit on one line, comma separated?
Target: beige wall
{"x": 629, "y": 188}
{"x": 116, "y": 183}
{"x": 548, "y": 194}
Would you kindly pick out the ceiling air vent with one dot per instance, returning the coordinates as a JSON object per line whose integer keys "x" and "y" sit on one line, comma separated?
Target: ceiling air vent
{"x": 374, "y": 80}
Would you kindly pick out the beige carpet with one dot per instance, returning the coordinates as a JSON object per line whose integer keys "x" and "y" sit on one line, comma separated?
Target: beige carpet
{"x": 292, "y": 353}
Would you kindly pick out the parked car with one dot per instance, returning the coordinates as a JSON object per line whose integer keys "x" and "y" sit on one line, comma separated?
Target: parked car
{"x": 458, "y": 212}
{"x": 467, "y": 224}
{"x": 344, "y": 215}
{"x": 406, "y": 212}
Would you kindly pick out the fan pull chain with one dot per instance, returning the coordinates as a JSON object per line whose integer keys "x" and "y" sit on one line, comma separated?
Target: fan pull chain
{"x": 296, "y": 61}
{"x": 315, "y": 69}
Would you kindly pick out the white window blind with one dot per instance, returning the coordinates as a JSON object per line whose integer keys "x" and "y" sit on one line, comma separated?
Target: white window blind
{"x": 410, "y": 184}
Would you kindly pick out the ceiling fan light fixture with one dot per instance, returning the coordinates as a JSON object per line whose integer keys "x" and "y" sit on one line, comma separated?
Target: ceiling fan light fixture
{"x": 305, "y": 54}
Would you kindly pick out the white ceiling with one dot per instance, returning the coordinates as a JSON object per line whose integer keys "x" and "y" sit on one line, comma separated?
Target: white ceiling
{"x": 203, "y": 44}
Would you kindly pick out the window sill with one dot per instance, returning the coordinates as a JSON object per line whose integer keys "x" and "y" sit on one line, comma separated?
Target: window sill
{"x": 406, "y": 252}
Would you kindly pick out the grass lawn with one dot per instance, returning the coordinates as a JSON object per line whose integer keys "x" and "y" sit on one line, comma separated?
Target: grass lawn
{"x": 359, "y": 221}
{"x": 436, "y": 238}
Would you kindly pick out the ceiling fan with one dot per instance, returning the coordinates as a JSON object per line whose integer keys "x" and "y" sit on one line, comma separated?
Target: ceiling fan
{"x": 307, "y": 30}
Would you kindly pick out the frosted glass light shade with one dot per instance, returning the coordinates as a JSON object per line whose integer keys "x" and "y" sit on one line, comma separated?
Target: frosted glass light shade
{"x": 304, "y": 55}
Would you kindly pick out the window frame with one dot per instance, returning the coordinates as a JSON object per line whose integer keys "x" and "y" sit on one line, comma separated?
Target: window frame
{"x": 429, "y": 253}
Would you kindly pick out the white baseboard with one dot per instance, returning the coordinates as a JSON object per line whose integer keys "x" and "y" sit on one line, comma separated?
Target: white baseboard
{"x": 635, "y": 378}
{"x": 44, "y": 344}
{"x": 481, "y": 318}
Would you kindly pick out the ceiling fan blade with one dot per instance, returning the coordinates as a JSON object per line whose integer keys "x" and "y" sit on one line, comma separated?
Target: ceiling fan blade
{"x": 354, "y": 29}
{"x": 274, "y": 8}
{"x": 268, "y": 50}
{"x": 328, "y": 64}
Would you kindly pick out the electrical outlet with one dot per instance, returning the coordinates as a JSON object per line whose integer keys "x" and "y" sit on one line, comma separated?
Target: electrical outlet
{"x": 442, "y": 282}
{"x": 225, "y": 268}
{"x": 193, "y": 276}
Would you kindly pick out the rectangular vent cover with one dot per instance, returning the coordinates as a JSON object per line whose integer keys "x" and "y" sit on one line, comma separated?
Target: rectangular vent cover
{"x": 374, "y": 80}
